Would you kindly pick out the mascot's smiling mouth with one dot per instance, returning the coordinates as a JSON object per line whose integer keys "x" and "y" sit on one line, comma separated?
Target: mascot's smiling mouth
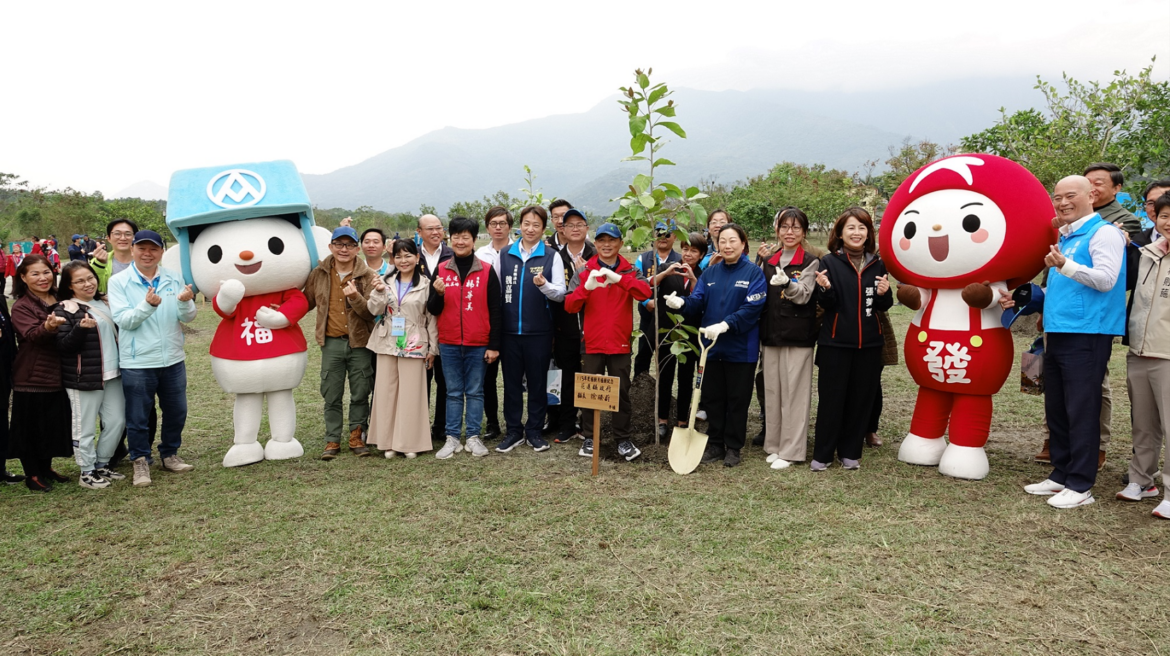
{"x": 939, "y": 248}
{"x": 249, "y": 269}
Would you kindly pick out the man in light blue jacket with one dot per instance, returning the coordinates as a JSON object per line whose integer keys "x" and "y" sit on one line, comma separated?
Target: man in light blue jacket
{"x": 148, "y": 302}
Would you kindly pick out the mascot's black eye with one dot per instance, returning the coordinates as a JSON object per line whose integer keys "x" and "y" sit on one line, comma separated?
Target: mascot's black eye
{"x": 910, "y": 230}
{"x": 215, "y": 254}
{"x": 971, "y": 223}
{"x": 275, "y": 246}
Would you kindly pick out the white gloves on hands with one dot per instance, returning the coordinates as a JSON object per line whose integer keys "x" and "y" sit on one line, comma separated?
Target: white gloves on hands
{"x": 715, "y": 330}
{"x": 673, "y": 301}
{"x": 595, "y": 279}
{"x": 231, "y": 292}
{"x": 271, "y": 319}
{"x": 613, "y": 276}
{"x": 779, "y": 279}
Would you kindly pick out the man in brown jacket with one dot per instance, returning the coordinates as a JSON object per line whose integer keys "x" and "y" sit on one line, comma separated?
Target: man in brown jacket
{"x": 338, "y": 288}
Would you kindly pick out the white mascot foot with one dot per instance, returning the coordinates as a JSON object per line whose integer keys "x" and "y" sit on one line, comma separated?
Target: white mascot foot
{"x": 917, "y": 450}
{"x": 968, "y": 462}
{"x": 243, "y": 454}
{"x": 283, "y": 450}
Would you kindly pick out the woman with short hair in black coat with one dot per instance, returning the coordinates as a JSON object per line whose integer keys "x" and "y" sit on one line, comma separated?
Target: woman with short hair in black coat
{"x": 853, "y": 289}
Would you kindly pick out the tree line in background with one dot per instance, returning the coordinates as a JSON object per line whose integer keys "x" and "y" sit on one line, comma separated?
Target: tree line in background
{"x": 1125, "y": 121}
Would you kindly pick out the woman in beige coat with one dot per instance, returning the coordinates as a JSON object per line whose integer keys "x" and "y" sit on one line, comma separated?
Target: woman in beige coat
{"x": 405, "y": 340}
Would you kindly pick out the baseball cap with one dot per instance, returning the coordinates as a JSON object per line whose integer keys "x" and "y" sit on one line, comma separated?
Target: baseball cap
{"x": 606, "y": 230}
{"x": 344, "y": 231}
{"x": 76, "y": 237}
{"x": 148, "y": 235}
{"x": 1029, "y": 299}
{"x": 574, "y": 213}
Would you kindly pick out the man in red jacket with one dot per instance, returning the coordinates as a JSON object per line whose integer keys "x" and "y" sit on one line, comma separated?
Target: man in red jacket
{"x": 604, "y": 289}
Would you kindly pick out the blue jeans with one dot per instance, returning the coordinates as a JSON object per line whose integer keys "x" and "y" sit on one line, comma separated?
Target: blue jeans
{"x": 463, "y": 368}
{"x": 140, "y": 387}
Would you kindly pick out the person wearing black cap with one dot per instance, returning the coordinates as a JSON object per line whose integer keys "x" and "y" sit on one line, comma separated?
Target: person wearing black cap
{"x": 148, "y": 303}
{"x": 575, "y": 251}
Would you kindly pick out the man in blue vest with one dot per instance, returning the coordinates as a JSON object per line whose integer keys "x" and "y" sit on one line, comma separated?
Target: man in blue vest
{"x": 1084, "y": 308}
{"x": 533, "y": 276}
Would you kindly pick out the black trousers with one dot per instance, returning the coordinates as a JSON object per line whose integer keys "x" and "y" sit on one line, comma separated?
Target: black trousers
{"x": 686, "y": 386}
{"x": 5, "y": 400}
{"x": 875, "y": 415}
{"x": 727, "y": 395}
{"x": 435, "y": 373}
{"x": 609, "y": 364}
{"x": 846, "y": 385}
{"x": 491, "y": 395}
{"x": 1074, "y": 366}
{"x": 567, "y": 355}
{"x": 643, "y": 359}
{"x": 526, "y": 357}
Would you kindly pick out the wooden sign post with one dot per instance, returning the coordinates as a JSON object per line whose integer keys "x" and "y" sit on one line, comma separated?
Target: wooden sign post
{"x": 597, "y": 393}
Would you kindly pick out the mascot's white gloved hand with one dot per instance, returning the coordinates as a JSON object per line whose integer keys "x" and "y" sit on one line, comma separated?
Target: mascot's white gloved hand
{"x": 715, "y": 330}
{"x": 779, "y": 279}
{"x": 673, "y": 301}
{"x": 613, "y": 276}
{"x": 595, "y": 280}
{"x": 231, "y": 292}
{"x": 271, "y": 319}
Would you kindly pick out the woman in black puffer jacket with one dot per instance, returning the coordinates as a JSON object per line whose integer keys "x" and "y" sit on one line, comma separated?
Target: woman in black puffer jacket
{"x": 88, "y": 344}
{"x": 853, "y": 289}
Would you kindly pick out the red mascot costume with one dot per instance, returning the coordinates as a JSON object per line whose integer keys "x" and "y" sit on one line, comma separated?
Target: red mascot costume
{"x": 957, "y": 234}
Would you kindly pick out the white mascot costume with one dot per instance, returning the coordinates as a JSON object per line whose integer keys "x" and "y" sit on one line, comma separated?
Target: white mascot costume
{"x": 247, "y": 240}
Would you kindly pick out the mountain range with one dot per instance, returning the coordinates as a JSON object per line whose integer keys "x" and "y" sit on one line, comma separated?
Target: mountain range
{"x": 731, "y": 135}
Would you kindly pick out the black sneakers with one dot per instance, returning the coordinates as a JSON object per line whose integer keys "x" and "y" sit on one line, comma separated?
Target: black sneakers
{"x": 731, "y": 459}
{"x": 586, "y": 448}
{"x": 713, "y": 453}
{"x": 628, "y": 451}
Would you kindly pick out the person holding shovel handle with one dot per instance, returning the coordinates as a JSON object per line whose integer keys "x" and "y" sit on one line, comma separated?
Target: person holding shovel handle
{"x": 729, "y": 297}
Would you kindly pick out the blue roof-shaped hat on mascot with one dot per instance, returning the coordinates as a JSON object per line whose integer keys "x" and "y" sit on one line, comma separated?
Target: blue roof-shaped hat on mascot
{"x": 217, "y": 194}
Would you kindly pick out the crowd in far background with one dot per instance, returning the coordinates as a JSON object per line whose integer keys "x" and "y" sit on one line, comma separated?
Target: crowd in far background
{"x": 98, "y": 342}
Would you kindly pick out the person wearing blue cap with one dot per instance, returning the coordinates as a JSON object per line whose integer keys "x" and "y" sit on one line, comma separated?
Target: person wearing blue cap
{"x": 77, "y": 249}
{"x": 339, "y": 288}
{"x": 650, "y": 264}
{"x": 148, "y": 303}
{"x": 603, "y": 293}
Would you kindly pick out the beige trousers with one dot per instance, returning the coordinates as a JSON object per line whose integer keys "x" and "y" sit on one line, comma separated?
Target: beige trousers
{"x": 399, "y": 420}
{"x": 1148, "y": 380}
{"x": 787, "y": 400}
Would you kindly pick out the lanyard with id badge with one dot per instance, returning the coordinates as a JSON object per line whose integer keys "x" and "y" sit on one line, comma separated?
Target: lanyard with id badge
{"x": 398, "y": 324}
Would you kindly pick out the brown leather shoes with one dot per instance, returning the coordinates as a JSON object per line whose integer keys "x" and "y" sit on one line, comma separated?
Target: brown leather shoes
{"x": 332, "y": 449}
{"x": 356, "y": 445}
{"x": 872, "y": 439}
{"x": 1043, "y": 456}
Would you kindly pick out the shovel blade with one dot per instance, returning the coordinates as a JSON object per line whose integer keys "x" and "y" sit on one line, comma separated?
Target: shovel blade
{"x": 686, "y": 449}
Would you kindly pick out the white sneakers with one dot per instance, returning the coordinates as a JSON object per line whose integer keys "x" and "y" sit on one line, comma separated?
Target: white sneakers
{"x": 476, "y": 447}
{"x": 450, "y": 448}
{"x": 771, "y": 458}
{"x": 781, "y": 463}
{"x": 1067, "y": 498}
{"x": 1062, "y": 497}
{"x": 1044, "y": 488}
{"x": 1135, "y": 492}
{"x": 1163, "y": 510}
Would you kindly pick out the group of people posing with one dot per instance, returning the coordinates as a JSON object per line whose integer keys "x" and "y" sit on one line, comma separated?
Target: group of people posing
{"x": 398, "y": 318}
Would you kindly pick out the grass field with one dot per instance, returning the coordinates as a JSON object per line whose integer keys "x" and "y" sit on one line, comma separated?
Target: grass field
{"x": 525, "y": 553}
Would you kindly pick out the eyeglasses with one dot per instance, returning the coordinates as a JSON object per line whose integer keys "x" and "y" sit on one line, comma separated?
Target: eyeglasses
{"x": 122, "y": 235}
{"x": 576, "y": 226}
{"x": 343, "y": 245}
{"x": 498, "y": 224}
{"x": 789, "y": 228}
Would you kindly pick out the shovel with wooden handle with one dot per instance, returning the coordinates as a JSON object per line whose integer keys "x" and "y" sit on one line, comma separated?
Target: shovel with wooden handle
{"x": 687, "y": 444}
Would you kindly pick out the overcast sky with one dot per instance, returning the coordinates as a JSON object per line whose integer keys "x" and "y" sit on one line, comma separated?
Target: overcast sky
{"x": 101, "y": 95}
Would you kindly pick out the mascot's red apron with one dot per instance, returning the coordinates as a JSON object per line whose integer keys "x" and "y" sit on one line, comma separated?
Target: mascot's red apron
{"x": 976, "y": 361}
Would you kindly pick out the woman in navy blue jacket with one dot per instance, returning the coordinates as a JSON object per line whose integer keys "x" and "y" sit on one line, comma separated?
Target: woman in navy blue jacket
{"x": 854, "y": 288}
{"x": 729, "y": 297}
